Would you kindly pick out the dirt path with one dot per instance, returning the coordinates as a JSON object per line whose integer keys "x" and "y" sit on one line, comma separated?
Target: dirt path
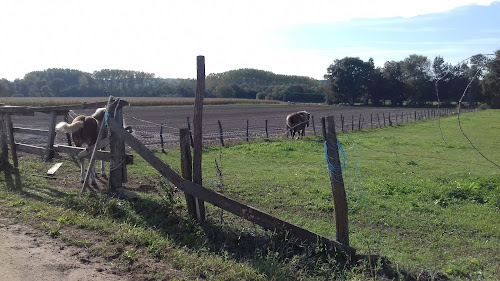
{"x": 26, "y": 254}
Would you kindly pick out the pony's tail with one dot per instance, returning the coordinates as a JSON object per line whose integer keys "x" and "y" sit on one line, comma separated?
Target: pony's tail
{"x": 64, "y": 127}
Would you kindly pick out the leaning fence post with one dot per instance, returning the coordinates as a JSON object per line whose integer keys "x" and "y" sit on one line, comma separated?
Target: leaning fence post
{"x": 190, "y": 133}
{"x": 187, "y": 168}
{"x": 198, "y": 133}
{"x": 220, "y": 133}
{"x": 336, "y": 180}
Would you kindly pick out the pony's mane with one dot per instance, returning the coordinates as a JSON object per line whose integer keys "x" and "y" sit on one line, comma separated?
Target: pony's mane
{"x": 99, "y": 114}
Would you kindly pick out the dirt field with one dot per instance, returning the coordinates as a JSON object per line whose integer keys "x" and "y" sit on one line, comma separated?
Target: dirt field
{"x": 146, "y": 121}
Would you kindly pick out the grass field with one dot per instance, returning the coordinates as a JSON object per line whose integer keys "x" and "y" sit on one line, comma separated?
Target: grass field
{"x": 418, "y": 194}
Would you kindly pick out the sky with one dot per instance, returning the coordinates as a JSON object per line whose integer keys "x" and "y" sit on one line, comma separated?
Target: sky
{"x": 289, "y": 37}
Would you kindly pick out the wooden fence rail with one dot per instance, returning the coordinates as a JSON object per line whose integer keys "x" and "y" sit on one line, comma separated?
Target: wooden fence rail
{"x": 197, "y": 190}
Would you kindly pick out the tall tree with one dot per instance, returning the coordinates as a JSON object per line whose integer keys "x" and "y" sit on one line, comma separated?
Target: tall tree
{"x": 491, "y": 82}
{"x": 349, "y": 79}
{"x": 417, "y": 78}
{"x": 394, "y": 82}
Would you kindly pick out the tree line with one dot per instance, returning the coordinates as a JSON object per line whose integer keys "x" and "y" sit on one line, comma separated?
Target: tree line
{"x": 414, "y": 81}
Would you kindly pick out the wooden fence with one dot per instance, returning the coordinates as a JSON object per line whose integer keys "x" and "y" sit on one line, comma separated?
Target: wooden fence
{"x": 50, "y": 150}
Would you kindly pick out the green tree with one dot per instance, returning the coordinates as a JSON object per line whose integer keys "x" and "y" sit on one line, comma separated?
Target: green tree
{"x": 491, "y": 82}
{"x": 349, "y": 79}
{"x": 394, "y": 82}
{"x": 224, "y": 91}
{"x": 417, "y": 78}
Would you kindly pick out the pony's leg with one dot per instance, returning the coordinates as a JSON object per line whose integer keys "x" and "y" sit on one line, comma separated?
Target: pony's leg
{"x": 82, "y": 169}
{"x": 103, "y": 169}
{"x": 92, "y": 174}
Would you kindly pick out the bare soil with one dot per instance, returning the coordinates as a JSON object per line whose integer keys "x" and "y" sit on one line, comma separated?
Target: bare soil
{"x": 146, "y": 121}
{"x": 29, "y": 255}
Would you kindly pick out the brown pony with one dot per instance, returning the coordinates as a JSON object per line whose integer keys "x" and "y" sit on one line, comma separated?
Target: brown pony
{"x": 297, "y": 122}
{"x": 84, "y": 130}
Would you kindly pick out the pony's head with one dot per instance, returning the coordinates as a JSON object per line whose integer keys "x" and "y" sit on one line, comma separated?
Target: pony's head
{"x": 99, "y": 114}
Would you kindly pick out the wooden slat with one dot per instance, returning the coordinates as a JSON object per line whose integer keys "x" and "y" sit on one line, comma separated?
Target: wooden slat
{"x": 249, "y": 213}
{"x": 54, "y": 169}
{"x": 31, "y": 149}
{"x": 38, "y": 132}
{"x": 88, "y": 151}
{"x": 70, "y": 150}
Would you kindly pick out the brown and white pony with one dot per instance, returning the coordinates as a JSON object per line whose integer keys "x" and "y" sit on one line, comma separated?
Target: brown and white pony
{"x": 297, "y": 122}
{"x": 84, "y": 130}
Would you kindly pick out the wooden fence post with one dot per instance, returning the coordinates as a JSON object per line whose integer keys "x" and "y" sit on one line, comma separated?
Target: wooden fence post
{"x": 314, "y": 126}
{"x": 378, "y": 119}
{"x": 187, "y": 168}
{"x": 342, "y": 121}
{"x": 10, "y": 130}
{"x": 371, "y": 120}
{"x": 68, "y": 136}
{"x": 49, "y": 154}
{"x": 359, "y": 123}
{"x": 383, "y": 117}
{"x": 336, "y": 180}
{"x": 220, "y": 133}
{"x": 3, "y": 141}
{"x": 247, "y": 130}
{"x": 267, "y": 134}
{"x": 352, "y": 123}
{"x": 161, "y": 138}
{"x": 198, "y": 133}
{"x": 117, "y": 165}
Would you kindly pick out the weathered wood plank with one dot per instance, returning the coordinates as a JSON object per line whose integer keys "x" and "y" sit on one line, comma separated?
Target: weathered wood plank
{"x": 88, "y": 150}
{"x": 37, "y": 132}
{"x": 249, "y": 213}
{"x": 70, "y": 150}
{"x": 54, "y": 169}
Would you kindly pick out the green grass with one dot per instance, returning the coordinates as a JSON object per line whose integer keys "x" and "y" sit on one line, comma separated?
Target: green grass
{"x": 421, "y": 199}
{"x": 418, "y": 194}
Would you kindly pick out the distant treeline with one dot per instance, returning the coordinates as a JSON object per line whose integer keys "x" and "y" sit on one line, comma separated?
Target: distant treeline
{"x": 243, "y": 83}
{"x": 414, "y": 81}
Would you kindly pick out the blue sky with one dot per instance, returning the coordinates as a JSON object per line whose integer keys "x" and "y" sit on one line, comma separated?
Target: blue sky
{"x": 286, "y": 37}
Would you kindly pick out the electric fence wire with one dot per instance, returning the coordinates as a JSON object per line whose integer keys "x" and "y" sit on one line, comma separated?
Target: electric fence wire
{"x": 475, "y": 76}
